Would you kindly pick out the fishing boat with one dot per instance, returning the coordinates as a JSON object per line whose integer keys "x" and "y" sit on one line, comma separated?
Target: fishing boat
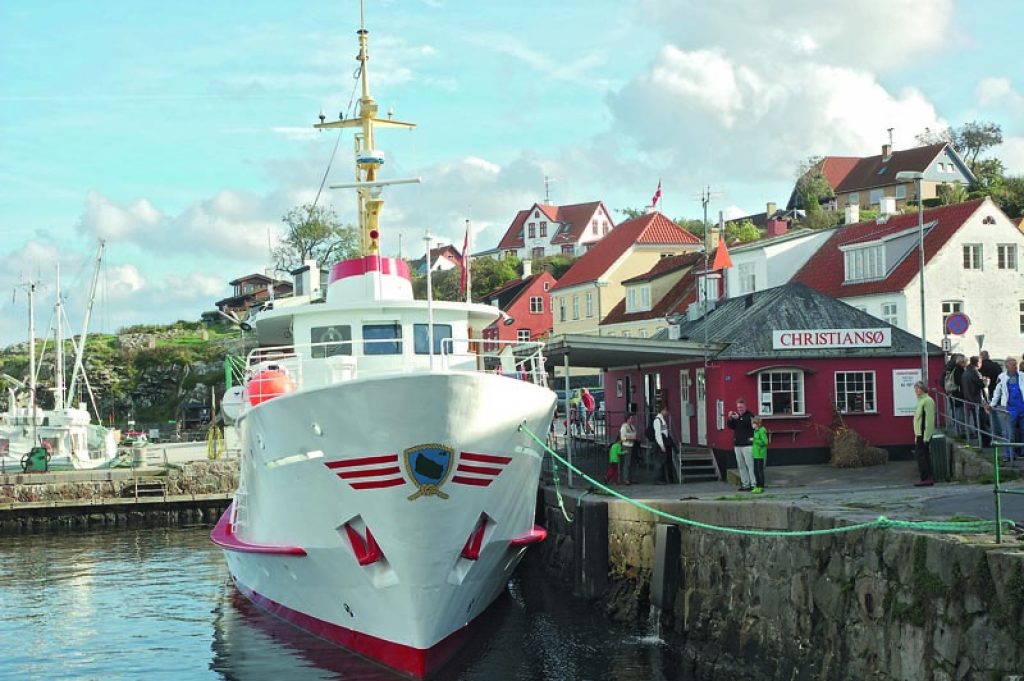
{"x": 387, "y": 491}
{"x": 64, "y": 437}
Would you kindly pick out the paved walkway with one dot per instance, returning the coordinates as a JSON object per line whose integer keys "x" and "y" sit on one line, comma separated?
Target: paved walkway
{"x": 877, "y": 490}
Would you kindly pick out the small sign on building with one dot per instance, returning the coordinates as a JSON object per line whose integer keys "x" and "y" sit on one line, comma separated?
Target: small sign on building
{"x": 813, "y": 339}
{"x": 904, "y": 399}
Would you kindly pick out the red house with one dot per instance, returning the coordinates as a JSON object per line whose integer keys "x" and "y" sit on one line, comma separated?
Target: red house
{"x": 527, "y": 308}
{"x": 802, "y": 360}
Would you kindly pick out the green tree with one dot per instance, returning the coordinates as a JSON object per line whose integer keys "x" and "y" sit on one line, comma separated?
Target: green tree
{"x": 556, "y": 264}
{"x": 811, "y": 185}
{"x": 315, "y": 233}
{"x": 741, "y": 231}
{"x": 951, "y": 193}
{"x": 1012, "y": 201}
{"x": 488, "y": 274}
{"x": 975, "y": 138}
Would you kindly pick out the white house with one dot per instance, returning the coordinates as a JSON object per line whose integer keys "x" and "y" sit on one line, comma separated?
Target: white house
{"x": 972, "y": 265}
{"x": 545, "y": 230}
{"x": 772, "y": 261}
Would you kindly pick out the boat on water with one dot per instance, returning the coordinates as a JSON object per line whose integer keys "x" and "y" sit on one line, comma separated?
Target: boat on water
{"x": 386, "y": 490}
{"x": 64, "y": 437}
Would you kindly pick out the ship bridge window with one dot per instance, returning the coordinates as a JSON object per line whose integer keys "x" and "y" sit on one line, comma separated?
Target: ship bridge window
{"x": 329, "y": 341}
{"x": 421, "y": 340}
{"x": 376, "y": 337}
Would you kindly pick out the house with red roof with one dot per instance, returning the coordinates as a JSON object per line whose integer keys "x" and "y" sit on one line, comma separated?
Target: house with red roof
{"x": 441, "y": 258}
{"x": 593, "y": 286}
{"x": 972, "y": 254}
{"x": 772, "y": 260}
{"x": 834, "y": 169}
{"x": 527, "y": 307}
{"x": 544, "y": 230}
{"x": 252, "y": 290}
{"x": 668, "y": 288}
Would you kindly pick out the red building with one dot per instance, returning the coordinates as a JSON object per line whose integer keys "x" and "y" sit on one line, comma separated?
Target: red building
{"x": 527, "y": 308}
{"x": 802, "y": 360}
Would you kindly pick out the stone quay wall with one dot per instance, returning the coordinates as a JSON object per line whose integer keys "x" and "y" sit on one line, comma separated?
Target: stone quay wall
{"x": 885, "y": 605}
{"x": 196, "y": 492}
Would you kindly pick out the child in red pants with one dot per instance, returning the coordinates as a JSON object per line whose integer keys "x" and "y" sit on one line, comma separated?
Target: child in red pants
{"x": 611, "y": 476}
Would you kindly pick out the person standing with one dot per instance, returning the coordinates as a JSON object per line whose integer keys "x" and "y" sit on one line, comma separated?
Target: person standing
{"x": 587, "y": 400}
{"x": 611, "y": 476}
{"x": 990, "y": 370}
{"x": 1008, "y": 399}
{"x": 924, "y": 427}
{"x": 666, "y": 446}
{"x": 741, "y": 423}
{"x": 627, "y": 434}
{"x": 972, "y": 386}
{"x": 759, "y": 452}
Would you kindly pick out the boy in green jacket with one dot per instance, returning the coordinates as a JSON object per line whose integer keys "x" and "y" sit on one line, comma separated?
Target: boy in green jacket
{"x": 611, "y": 476}
{"x": 759, "y": 454}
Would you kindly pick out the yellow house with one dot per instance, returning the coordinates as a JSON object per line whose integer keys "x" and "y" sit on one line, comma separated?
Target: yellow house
{"x": 593, "y": 286}
{"x": 666, "y": 289}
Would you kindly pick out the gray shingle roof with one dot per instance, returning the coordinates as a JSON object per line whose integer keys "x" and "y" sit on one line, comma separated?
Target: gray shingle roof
{"x": 746, "y": 324}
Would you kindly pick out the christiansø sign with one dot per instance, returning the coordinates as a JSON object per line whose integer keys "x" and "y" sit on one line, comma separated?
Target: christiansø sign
{"x": 831, "y": 338}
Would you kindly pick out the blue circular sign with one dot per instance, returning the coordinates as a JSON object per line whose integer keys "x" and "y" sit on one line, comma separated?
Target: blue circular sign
{"x": 958, "y": 323}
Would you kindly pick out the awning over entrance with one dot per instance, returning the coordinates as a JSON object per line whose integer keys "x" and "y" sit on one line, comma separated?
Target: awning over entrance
{"x": 610, "y": 352}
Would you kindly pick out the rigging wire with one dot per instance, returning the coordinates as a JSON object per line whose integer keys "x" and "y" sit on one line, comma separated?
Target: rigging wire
{"x": 348, "y": 111}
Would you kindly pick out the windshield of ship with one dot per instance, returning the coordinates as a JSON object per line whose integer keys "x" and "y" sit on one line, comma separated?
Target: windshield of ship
{"x": 375, "y": 335}
{"x": 421, "y": 342}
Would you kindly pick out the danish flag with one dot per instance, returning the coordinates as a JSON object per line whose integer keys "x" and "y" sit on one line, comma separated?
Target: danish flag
{"x": 657, "y": 196}
{"x": 479, "y": 469}
{"x": 369, "y": 472}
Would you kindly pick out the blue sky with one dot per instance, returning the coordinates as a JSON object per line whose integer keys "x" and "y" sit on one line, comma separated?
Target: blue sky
{"x": 180, "y": 131}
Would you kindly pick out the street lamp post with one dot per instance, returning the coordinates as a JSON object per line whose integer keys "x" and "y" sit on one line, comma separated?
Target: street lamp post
{"x": 916, "y": 176}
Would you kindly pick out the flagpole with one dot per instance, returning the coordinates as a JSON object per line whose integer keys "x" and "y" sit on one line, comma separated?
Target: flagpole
{"x": 430, "y": 304}
{"x": 466, "y": 263}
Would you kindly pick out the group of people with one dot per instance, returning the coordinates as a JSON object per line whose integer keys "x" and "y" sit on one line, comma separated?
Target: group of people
{"x": 985, "y": 399}
{"x": 581, "y": 411}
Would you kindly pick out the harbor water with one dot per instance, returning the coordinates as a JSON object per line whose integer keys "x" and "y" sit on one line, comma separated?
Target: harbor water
{"x": 156, "y": 603}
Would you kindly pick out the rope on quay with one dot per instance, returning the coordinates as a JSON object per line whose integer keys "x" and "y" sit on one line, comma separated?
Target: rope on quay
{"x": 950, "y": 527}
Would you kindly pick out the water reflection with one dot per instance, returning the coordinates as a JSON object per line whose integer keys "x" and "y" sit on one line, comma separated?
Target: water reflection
{"x": 157, "y": 603}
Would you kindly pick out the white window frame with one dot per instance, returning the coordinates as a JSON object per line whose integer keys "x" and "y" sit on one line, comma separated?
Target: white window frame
{"x": 901, "y": 191}
{"x": 643, "y": 333}
{"x": 523, "y": 335}
{"x": 631, "y": 300}
{"x": 536, "y": 305}
{"x": 772, "y": 382}
{"x": 875, "y": 196}
{"x": 865, "y": 263}
{"x": 575, "y": 307}
{"x": 544, "y": 228}
{"x": 747, "y": 273}
{"x": 645, "y": 298}
{"x": 973, "y": 257}
{"x": 851, "y": 383}
{"x": 1006, "y": 256}
{"x": 950, "y": 307}
{"x": 590, "y": 305}
{"x": 561, "y": 309}
{"x": 890, "y": 313}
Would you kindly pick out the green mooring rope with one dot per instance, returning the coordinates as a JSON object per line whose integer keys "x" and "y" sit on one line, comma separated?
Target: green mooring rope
{"x": 969, "y": 527}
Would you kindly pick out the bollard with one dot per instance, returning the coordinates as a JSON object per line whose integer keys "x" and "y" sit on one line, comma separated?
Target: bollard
{"x": 590, "y": 536}
{"x": 667, "y": 569}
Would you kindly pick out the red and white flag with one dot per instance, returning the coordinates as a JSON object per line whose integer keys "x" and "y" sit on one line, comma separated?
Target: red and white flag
{"x": 657, "y": 196}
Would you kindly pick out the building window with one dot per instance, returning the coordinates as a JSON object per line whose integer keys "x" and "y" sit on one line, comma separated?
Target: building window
{"x": 901, "y": 191}
{"x": 510, "y": 253}
{"x": 593, "y": 227}
{"x": 643, "y": 333}
{"x": 523, "y": 335}
{"x": 538, "y": 252}
{"x": 1007, "y": 256}
{"x": 631, "y": 300}
{"x": 590, "y": 304}
{"x": 575, "y": 307}
{"x": 533, "y": 231}
{"x": 889, "y": 313}
{"x": 855, "y": 392}
{"x": 645, "y": 298}
{"x": 854, "y": 198}
{"x": 782, "y": 392}
{"x": 1020, "y": 321}
{"x": 864, "y": 263}
{"x": 382, "y": 339}
{"x": 544, "y": 229}
{"x": 561, "y": 309}
{"x": 972, "y": 256}
{"x": 547, "y": 285}
{"x": 950, "y": 307}
{"x": 625, "y": 334}
{"x": 875, "y": 197}
{"x": 605, "y": 229}
{"x": 536, "y": 214}
{"x": 568, "y": 249}
{"x": 536, "y": 305}
{"x": 748, "y": 280}
{"x": 421, "y": 340}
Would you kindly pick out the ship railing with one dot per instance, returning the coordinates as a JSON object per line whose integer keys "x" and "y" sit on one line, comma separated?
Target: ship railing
{"x": 324, "y": 363}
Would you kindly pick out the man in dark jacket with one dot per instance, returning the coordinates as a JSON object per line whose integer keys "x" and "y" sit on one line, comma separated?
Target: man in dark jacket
{"x": 972, "y": 385}
{"x": 741, "y": 423}
{"x": 990, "y": 370}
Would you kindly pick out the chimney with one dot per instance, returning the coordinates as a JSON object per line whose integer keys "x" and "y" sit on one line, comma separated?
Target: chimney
{"x": 527, "y": 268}
{"x": 713, "y": 237}
{"x": 769, "y": 210}
{"x": 852, "y": 214}
{"x": 886, "y": 151}
{"x": 887, "y": 205}
{"x": 776, "y": 227}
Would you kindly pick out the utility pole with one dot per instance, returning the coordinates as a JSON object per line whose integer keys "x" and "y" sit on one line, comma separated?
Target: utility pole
{"x": 705, "y": 198}
{"x": 890, "y": 137}
{"x": 547, "y": 189}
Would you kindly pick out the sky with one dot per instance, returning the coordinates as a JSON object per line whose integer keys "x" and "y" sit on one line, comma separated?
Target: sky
{"x": 181, "y": 133}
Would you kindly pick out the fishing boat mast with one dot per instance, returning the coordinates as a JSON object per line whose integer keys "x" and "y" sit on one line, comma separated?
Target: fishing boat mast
{"x": 32, "y": 357}
{"x": 368, "y": 159}
{"x": 80, "y": 348}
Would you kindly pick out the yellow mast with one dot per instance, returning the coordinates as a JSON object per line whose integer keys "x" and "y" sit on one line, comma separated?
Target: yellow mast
{"x": 368, "y": 159}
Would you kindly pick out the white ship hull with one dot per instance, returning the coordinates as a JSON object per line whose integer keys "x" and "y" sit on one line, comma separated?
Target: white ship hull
{"x": 74, "y": 442}
{"x": 326, "y": 468}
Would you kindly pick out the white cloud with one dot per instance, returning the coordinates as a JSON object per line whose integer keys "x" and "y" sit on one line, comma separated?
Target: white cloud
{"x": 999, "y": 92}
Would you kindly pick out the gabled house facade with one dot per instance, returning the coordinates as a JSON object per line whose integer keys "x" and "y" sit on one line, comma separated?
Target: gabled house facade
{"x": 972, "y": 265}
{"x": 772, "y": 261}
{"x": 545, "y": 230}
{"x": 526, "y": 303}
{"x": 593, "y": 286}
{"x": 666, "y": 289}
{"x": 442, "y": 258}
{"x": 252, "y": 290}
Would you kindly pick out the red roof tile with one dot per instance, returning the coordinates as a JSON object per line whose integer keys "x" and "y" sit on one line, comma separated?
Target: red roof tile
{"x": 677, "y": 298}
{"x": 651, "y": 228}
{"x": 836, "y": 168}
{"x": 825, "y": 271}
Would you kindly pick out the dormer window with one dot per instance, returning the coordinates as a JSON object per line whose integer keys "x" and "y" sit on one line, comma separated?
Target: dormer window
{"x": 536, "y": 214}
{"x": 865, "y": 263}
{"x": 638, "y": 298}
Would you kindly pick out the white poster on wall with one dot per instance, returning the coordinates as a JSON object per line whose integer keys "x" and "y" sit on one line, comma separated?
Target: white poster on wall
{"x": 904, "y": 400}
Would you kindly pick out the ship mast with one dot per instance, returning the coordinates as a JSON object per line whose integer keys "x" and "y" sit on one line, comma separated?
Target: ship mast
{"x": 368, "y": 159}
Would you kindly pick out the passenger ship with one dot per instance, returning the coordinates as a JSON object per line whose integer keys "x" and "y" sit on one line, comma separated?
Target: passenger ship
{"x": 386, "y": 491}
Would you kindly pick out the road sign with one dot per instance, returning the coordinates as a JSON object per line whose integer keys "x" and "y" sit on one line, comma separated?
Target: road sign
{"x": 958, "y": 323}
{"x": 981, "y": 340}
{"x": 947, "y": 345}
